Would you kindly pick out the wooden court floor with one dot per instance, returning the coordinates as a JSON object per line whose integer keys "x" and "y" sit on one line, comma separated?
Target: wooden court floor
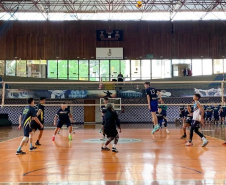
{"x": 139, "y": 161}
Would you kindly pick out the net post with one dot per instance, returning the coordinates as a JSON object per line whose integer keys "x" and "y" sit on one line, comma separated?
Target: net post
{"x": 3, "y": 94}
{"x": 222, "y": 92}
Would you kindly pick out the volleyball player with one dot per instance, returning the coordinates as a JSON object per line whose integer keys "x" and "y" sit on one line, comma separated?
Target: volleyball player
{"x": 64, "y": 117}
{"x": 152, "y": 98}
{"x": 182, "y": 112}
{"x": 209, "y": 113}
{"x": 40, "y": 115}
{"x": 197, "y": 120}
{"x": 26, "y": 118}
{"x": 111, "y": 121}
{"x": 216, "y": 114}
{"x": 164, "y": 113}
{"x": 222, "y": 115}
{"x": 102, "y": 110}
{"x": 188, "y": 116}
{"x": 161, "y": 116}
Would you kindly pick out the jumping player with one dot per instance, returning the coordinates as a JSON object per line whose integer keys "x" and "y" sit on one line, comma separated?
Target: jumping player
{"x": 197, "y": 120}
{"x": 188, "y": 116}
{"x": 160, "y": 116}
{"x": 26, "y": 118}
{"x": 64, "y": 116}
{"x": 152, "y": 97}
{"x": 40, "y": 115}
{"x": 102, "y": 110}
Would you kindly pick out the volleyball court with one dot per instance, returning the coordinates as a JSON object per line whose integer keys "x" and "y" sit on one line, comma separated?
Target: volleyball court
{"x": 80, "y": 159}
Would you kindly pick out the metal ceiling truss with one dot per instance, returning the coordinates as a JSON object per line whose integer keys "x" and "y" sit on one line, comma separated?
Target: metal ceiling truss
{"x": 113, "y": 6}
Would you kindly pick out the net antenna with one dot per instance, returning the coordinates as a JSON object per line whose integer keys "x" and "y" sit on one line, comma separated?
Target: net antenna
{"x": 116, "y": 103}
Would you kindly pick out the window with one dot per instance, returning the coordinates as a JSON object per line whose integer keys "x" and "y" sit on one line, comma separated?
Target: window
{"x": 94, "y": 70}
{"x": 21, "y": 68}
{"x": 73, "y": 69}
{"x": 52, "y": 69}
{"x": 218, "y": 66}
{"x": 135, "y": 69}
{"x": 145, "y": 69}
{"x": 83, "y": 70}
{"x": 161, "y": 69}
{"x": 207, "y": 67}
{"x": 62, "y": 69}
{"x": 11, "y": 67}
{"x": 36, "y": 68}
{"x": 2, "y": 67}
{"x": 196, "y": 67}
{"x": 125, "y": 69}
{"x": 115, "y": 68}
{"x": 166, "y": 69}
{"x": 179, "y": 65}
{"x": 104, "y": 70}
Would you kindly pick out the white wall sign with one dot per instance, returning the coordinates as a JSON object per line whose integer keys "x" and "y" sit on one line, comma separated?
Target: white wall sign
{"x": 109, "y": 53}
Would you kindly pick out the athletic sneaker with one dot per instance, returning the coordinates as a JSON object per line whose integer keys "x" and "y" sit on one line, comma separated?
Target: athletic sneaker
{"x": 205, "y": 142}
{"x": 114, "y": 150}
{"x": 53, "y": 138}
{"x": 58, "y": 132}
{"x": 20, "y": 152}
{"x": 156, "y": 128}
{"x": 103, "y": 138}
{"x": 37, "y": 143}
{"x": 70, "y": 137}
{"x": 105, "y": 149}
{"x": 224, "y": 144}
{"x": 183, "y": 137}
{"x": 73, "y": 132}
{"x": 32, "y": 148}
{"x": 188, "y": 144}
{"x": 167, "y": 131}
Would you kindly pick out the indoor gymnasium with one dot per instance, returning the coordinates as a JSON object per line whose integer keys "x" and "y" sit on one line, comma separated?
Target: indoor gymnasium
{"x": 112, "y": 92}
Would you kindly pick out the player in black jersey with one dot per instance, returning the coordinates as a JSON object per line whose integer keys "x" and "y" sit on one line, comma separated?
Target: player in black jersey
{"x": 182, "y": 114}
{"x": 40, "y": 115}
{"x": 103, "y": 108}
{"x": 222, "y": 115}
{"x": 27, "y": 116}
{"x": 188, "y": 116}
{"x": 65, "y": 117}
{"x": 216, "y": 114}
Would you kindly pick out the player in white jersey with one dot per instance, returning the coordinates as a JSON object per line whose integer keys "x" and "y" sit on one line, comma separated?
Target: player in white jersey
{"x": 198, "y": 118}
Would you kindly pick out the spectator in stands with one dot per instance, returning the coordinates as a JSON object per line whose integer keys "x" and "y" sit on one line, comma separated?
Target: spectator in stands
{"x": 186, "y": 71}
{"x": 120, "y": 77}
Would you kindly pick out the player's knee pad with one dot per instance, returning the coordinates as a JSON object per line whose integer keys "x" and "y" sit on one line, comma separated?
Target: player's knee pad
{"x": 31, "y": 134}
{"x": 25, "y": 139}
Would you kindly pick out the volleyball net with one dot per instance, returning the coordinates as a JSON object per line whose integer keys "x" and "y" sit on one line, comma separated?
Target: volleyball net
{"x": 128, "y": 98}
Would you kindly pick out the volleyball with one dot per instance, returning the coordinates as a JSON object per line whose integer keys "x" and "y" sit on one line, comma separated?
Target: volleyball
{"x": 139, "y": 4}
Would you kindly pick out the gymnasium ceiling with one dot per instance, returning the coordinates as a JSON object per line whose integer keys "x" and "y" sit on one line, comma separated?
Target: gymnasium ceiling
{"x": 112, "y": 10}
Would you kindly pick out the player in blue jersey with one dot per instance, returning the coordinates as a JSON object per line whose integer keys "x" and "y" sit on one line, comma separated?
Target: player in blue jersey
{"x": 152, "y": 98}
{"x": 26, "y": 119}
{"x": 65, "y": 117}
